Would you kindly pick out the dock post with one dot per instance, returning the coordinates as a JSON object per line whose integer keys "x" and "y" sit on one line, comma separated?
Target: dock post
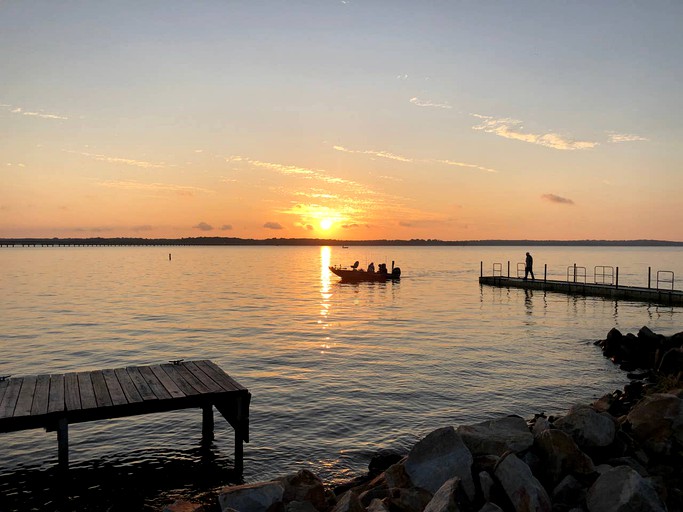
{"x": 617, "y": 285}
{"x": 649, "y": 276}
{"x": 574, "y": 272}
{"x": 207, "y": 423}
{"x": 481, "y": 269}
{"x": 508, "y": 268}
{"x": 240, "y": 434}
{"x": 63, "y": 443}
{"x": 545, "y": 272}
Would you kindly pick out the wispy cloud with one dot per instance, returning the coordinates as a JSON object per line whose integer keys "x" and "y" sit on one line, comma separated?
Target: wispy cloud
{"x": 556, "y": 199}
{"x": 273, "y": 225}
{"x": 30, "y": 113}
{"x": 626, "y": 137}
{"x": 182, "y": 190}
{"x": 428, "y": 103}
{"x": 381, "y": 154}
{"x": 512, "y": 129}
{"x": 385, "y": 154}
{"x": 119, "y": 160}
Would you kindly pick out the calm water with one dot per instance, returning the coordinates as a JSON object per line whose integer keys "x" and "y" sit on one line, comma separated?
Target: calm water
{"x": 337, "y": 372}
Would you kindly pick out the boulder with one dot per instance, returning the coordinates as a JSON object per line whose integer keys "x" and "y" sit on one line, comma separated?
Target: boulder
{"x": 497, "y": 436}
{"x": 540, "y": 425}
{"x": 377, "y": 506}
{"x": 300, "y": 506}
{"x": 408, "y": 500}
{"x": 622, "y": 489}
{"x": 440, "y": 456}
{"x": 349, "y": 502}
{"x": 304, "y": 486}
{"x": 184, "y": 506}
{"x": 525, "y": 492}
{"x": 449, "y": 498}
{"x": 589, "y": 428}
{"x": 252, "y": 497}
{"x": 396, "y": 476}
{"x": 657, "y": 422}
{"x": 561, "y": 456}
{"x": 490, "y": 507}
{"x": 486, "y": 484}
{"x": 672, "y": 362}
{"x": 568, "y": 492}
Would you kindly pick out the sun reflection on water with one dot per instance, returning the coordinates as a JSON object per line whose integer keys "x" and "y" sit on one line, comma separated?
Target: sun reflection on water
{"x": 325, "y": 293}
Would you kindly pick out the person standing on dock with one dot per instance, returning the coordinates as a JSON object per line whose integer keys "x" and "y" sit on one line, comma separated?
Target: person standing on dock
{"x": 529, "y": 267}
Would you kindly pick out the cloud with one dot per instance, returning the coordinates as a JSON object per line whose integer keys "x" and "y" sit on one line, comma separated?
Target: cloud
{"x": 42, "y": 115}
{"x": 556, "y": 199}
{"x": 427, "y": 103}
{"x": 463, "y": 164}
{"x": 626, "y": 137}
{"x": 226, "y": 227}
{"x": 273, "y": 225}
{"x": 118, "y": 160}
{"x": 513, "y": 129}
{"x": 381, "y": 154}
{"x": 203, "y": 226}
{"x": 181, "y": 190}
{"x": 350, "y": 226}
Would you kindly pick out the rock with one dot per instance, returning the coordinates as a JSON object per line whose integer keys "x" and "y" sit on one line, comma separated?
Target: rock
{"x": 561, "y": 456}
{"x": 252, "y": 497}
{"x": 438, "y": 457}
{"x": 569, "y": 492}
{"x": 589, "y": 428}
{"x": 525, "y": 492}
{"x": 449, "y": 498}
{"x": 622, "y": 489}
{"x": 490, "y": 507}
{"x": 349, "y": 502}
{"x": 304, "y": 486}
{"x": 374, "y": 493}
{"x": 672, "y": 362}
{"x": 408, "y": 500}
{"x": 540, "y": 425}
{"x": 377, "y": 506}
{"x": 486, "y": 484}
{"x": 497, "y": 436}
{"x": 184, "y": 506}
{"x": 657, "y": 422}
{"x": 396, "y": 476}
{"x": 300, "y": 506}
{"x": 382, "y": 461}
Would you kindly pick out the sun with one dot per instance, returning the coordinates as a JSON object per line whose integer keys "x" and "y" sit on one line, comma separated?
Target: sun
{"x": 326, "y": 223}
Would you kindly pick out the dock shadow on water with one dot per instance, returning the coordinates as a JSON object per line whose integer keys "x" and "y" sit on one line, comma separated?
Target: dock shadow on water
{"x": 146, "y": 480}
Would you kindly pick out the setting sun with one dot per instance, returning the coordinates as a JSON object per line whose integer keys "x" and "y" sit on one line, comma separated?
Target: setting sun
{"x": 326, "y": 224}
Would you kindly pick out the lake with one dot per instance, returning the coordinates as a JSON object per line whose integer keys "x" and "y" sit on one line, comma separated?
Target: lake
{"x": 337, "y": 371}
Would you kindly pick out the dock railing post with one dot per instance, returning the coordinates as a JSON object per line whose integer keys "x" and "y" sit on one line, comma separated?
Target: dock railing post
{"x": 649, "y": 276}
{"x": 574, "y": 272}
{"x": 545, "y": 272}
{"x": 207, "y": 423}
{"x": 481, "y": 269}
{"x": 617, "y": 283}
{"x": 508, "y": 268}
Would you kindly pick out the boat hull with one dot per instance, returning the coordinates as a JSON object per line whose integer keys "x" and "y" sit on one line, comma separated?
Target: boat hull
{"x": 359, "y": 276}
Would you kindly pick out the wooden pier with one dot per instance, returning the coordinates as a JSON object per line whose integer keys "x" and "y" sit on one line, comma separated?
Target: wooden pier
{"x": 54, "y": 401}
{"x": 617, "y": 292}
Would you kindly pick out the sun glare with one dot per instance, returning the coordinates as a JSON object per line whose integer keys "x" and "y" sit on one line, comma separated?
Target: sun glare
{"x": 326, "y": 224}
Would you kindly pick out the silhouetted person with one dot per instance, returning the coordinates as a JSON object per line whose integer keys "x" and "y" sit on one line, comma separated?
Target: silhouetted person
{"x": 355, "y": 265}
{"x": 371, "y": 267}
{"x": 529, "y": 267}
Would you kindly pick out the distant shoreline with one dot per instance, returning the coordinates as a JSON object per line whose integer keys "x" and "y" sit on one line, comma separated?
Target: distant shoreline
{"x": 229, "y": 241}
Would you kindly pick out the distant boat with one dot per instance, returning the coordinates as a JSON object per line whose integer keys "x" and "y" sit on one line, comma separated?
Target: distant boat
{"x": 353, "y": 275}
{"x": 345, "y": 246}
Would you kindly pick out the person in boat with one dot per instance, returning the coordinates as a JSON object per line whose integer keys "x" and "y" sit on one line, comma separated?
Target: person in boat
{"x": 383, "y": 268}
{"x": 371, "y": 267}
{"x": 529, "y": 267}
{"x": 355, "y": 265}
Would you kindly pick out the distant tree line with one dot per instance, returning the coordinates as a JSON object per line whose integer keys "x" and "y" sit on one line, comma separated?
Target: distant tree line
{"x": 221, "y": 241}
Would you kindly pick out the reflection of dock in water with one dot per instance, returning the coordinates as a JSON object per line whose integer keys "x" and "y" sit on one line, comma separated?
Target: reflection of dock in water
{"x": 575, "y": 284}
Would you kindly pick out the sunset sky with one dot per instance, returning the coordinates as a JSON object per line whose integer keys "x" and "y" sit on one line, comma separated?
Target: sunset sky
{"x": 348, "y": 119}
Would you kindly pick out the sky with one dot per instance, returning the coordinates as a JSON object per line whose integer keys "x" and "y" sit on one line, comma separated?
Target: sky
{"x": 344, "y": 119}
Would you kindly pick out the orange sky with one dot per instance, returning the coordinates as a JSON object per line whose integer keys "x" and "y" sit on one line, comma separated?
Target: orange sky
{"x": 341, "y": 120}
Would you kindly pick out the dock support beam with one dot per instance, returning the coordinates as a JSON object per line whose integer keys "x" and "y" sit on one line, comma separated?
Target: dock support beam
{"x": 63, "y": 443}
{"x": 207, "y": 423}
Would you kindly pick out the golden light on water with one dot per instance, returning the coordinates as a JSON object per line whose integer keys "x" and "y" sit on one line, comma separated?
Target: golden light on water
{"x": 325, "y": 292}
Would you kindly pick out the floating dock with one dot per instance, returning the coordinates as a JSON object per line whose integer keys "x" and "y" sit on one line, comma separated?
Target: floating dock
{"x": 54, "y": 401}
{"x": 616, "y": 292}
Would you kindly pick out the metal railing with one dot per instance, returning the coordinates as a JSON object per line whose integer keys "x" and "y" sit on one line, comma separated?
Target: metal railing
{"x": 601, "y": 275}
{"x": 574, "y": 273}
{"x": 498, "y": 269}
{"x": 667, "y": 276}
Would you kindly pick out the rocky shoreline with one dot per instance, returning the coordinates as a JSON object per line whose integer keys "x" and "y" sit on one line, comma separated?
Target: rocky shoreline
{"x": 623, "y": 452}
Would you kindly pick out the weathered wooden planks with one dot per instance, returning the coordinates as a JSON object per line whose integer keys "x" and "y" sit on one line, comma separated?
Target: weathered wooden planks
{"x": 54, "y": 401}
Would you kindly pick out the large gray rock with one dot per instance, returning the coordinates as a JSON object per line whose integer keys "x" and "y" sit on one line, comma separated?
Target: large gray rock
{"x": 568, "y": 492}
{"x": 449, "y": 498}
{"x": 377, "y": 506}
{"x": 589, "y": 428}
{"x": 184, "y": 506}
{"x": 490, "y": 507}
{"x": 525, "y": 492}
{"x": 560, "y": 456}
{"x": 251, "y": 497}
{"x": 497, "y": 436}
{"x": 622, "y": 489}
{"x": 440, "y": 456}
{"x": 349, "y": 502}
{"x": 657, "y": 422}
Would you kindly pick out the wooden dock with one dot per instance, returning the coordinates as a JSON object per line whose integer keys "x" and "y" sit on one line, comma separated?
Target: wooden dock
{"x": 617, "y": 292}
{"x": 54, "y": 401}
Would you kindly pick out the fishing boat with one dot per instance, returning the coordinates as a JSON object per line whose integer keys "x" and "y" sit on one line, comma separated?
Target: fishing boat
{"x": 354, "y": 275}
